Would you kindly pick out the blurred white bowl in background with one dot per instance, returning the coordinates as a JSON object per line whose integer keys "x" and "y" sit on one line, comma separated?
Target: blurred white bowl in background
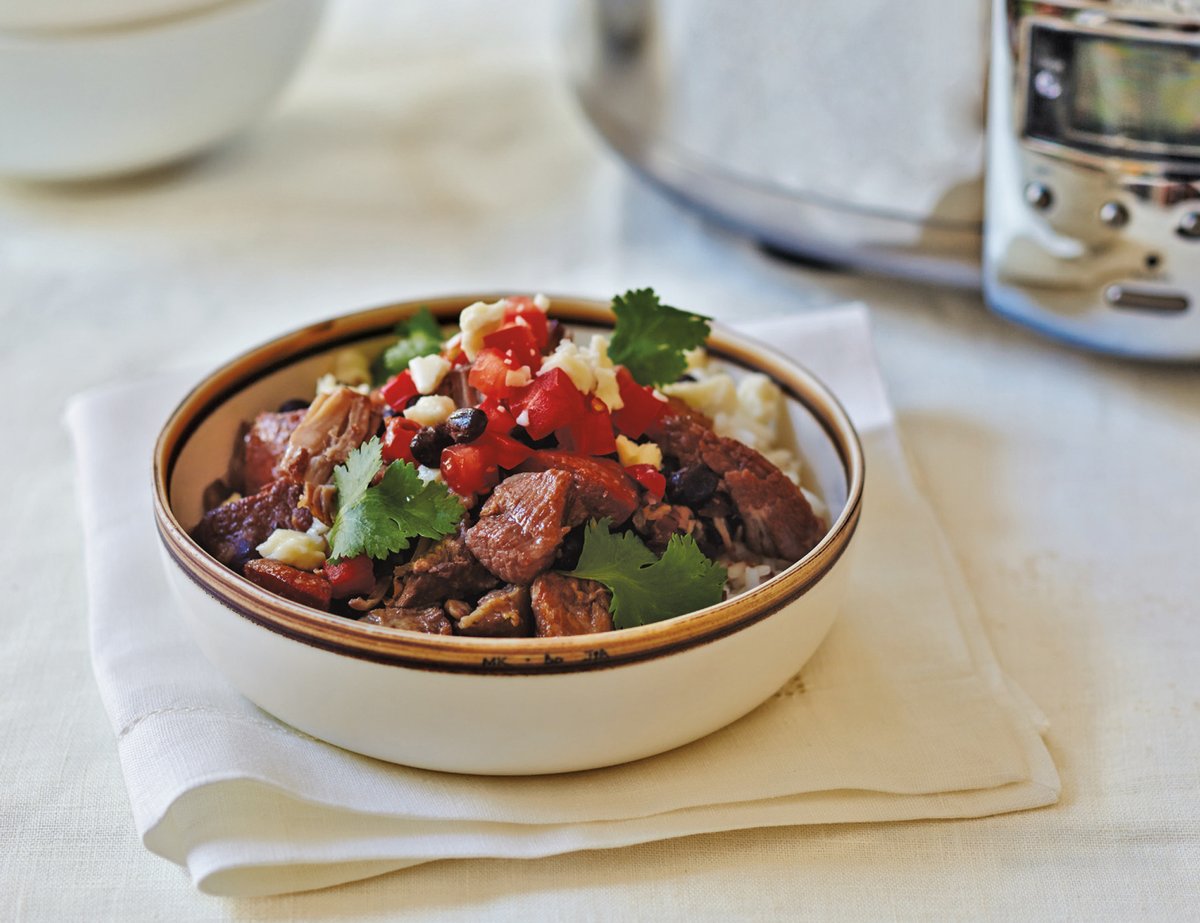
{"x": 38, "y": 15}
{"x": 99, "y": 102}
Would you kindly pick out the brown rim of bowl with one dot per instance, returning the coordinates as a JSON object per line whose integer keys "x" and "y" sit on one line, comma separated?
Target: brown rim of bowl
{"x": 515, "y": 656}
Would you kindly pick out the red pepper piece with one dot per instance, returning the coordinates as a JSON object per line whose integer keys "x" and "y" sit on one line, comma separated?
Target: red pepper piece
{"x": 590, "y": 433}
{"x": 650, "y": 478}
{"x": 286, "y": 581}
{"x": 550, "y": 402}
{"x": 518, "y": 346}
{"x": 507, "y": 452}
{"x": 397, "y": 440}
{"x": 641, "y": 408}
{"x": 468, "y": 469}
{"x": 351, "y": 576}
{"x": 489, "y": 374}
{"x": 522, "y": 310}
{"x": 398, "y": 390}
{"x": 500, "y": 418}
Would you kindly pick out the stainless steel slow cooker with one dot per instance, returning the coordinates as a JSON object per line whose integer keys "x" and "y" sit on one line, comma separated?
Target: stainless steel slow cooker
{"x": 857, "y": 132}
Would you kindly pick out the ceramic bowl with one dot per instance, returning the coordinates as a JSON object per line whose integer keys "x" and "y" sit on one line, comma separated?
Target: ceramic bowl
{"x": 495, "y": 706}
{"x": 99, "y": 102}
{"x": 62, "y": 15}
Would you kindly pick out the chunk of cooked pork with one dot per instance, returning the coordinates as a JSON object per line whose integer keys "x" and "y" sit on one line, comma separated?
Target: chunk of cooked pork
{"x": 521, "y": 525}
{"x": 334, "y": 424}
{"x": 778, "y": 520}
{"x": 447, "y": 570}
{"x": 263, "y": 446}
{"x": 232, "y": 531}
{"x": 431, "y": 620}
{"x": 502, "y": 613}
{"x": 599, "y": 486}
{"x": 569, "y": 606}
{"x": 286, "y": 581}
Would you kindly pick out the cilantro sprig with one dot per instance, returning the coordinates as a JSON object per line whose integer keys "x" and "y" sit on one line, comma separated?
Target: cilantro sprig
{"x": 646, "y": 588}
{"x": 419, "y": 335}
{"x": 650, "y": 337}
{"x": 384, "y": 519}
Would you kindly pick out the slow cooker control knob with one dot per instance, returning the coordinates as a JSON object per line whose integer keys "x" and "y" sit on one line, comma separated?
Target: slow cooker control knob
{"x": 1039, "y": 196}
{"x": 1114, "y": 215}
{"x": 1189, "y": 226}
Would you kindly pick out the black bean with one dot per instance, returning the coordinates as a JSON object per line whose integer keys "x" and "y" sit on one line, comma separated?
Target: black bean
{"x": 427, "y": 446}
{"x": 466, "y": 425}
{"x": 294, "y": 404}
{"x": 692, "y": 485}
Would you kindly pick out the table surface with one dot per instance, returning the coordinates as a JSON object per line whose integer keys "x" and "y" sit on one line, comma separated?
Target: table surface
{"x": 429, "y": 148}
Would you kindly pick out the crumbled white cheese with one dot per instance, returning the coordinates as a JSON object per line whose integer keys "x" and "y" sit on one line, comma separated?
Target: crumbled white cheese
{"x": 523, "y": 418}
{"x": 589, "y": 368}
{"x": 431, "y": 409}
{"x": 429, "y": 474}
{"x": 351, "y": 367}
{"x": 630, "y": 453}
{"x": 568, "y": 357}
{"x": 301, "y": 550}
{"x": 428, "y": 372}
{"x": 476, "y": 322}
{"x": 541, "y": 302}
{"x": 518, "y": 378}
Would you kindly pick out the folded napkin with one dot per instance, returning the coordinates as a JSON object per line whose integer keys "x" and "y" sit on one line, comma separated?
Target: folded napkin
{"x": 902, "y": 714}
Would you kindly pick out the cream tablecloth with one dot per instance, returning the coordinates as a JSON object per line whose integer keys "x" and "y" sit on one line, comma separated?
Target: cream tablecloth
{"x": 431, "y": 147}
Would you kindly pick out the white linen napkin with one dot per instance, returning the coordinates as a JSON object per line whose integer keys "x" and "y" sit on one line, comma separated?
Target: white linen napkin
{"x": 903, "y": 713}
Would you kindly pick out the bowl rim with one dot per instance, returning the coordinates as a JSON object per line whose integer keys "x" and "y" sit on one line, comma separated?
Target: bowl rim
{"x": 505, "y": 656}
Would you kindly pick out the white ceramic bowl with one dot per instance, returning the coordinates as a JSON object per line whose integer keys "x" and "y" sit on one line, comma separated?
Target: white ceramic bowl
{"x": 61, "y": 15}
{"x": 495, "y": 706}
{"x": 102, "y": 102}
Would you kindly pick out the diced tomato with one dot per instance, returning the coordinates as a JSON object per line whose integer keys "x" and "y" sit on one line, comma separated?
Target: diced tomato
{"x": 650, "y": 478}
{"x": 517, "y": 344}
{"x": 522, "y": 310}
{"x": 500, "y": 418}
{"x": 507, "y": 452}
{"x": 489, "y": 374}
{"x": 641, "y": 408}
{"x": 351, "y": 576}
{"x": 398, "y": 390}
{"x": 397, "y": 440}
{"x": 468, "y": 469}
{"x": 550, "y": 402}
{"x": 590, "y": 433}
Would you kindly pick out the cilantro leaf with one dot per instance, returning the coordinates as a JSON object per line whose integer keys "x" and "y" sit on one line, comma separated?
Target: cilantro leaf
{"x": 650, "y": 338}
{"x": 383, "y": 519}
{"x": 419, "y": 335}
{"x": 353, "y": 478}
{"x": 644, "y": 587}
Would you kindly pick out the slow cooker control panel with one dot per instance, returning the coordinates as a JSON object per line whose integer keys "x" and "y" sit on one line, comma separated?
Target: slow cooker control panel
{"x": 1092, "y": 229}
